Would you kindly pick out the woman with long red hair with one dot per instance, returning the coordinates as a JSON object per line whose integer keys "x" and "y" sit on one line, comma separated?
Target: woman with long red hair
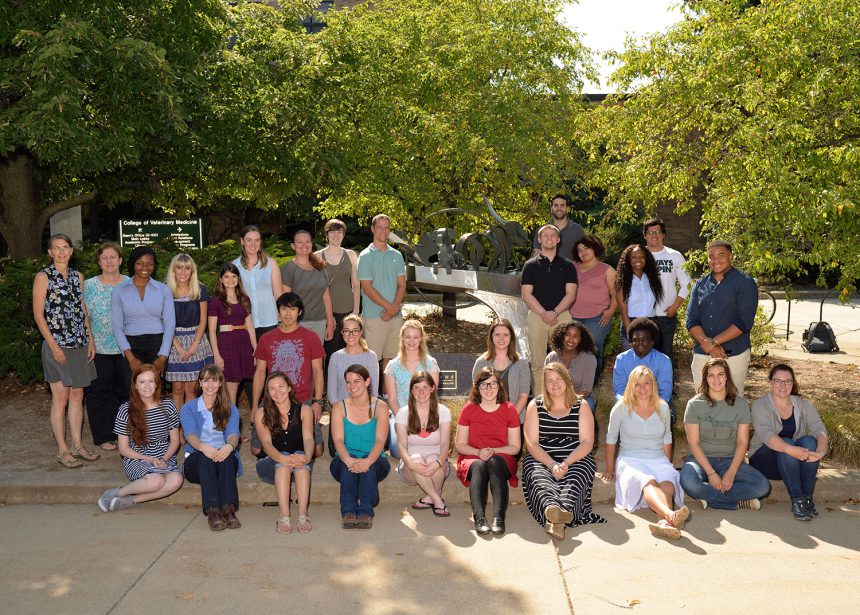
{"x": 147, "y": 429}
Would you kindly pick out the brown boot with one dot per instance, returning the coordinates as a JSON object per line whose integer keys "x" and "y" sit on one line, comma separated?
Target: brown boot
{"x": 216, "y": 521}
{"x": 229, "y": 513}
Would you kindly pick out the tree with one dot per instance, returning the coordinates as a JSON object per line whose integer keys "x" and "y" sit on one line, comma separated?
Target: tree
{"x": 426, "y": 105}
{"x": 753, "y": 111}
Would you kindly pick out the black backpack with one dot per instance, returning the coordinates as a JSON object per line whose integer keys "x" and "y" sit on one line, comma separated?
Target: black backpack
{"x": 819, "y": 337}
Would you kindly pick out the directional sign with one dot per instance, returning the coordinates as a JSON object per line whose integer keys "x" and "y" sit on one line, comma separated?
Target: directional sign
{"x": 187, "y": 234}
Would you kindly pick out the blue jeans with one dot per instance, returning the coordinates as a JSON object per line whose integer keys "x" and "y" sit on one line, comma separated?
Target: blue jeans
{"x": 391, "y": 443}
{"x": 217, "y": 480}
{"x": 598, "y": 332}
{"x": 749, "y": 483}
{"x": 359, "y": 493}
{"x": 798, "y": 476}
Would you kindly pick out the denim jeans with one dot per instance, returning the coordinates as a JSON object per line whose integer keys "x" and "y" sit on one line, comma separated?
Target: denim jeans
{"x": 217, "y": 480}
{"x": 749, "y": 483}
{"x": 798, "y": 476}
{"x": 391, "y": 443}
{"x": 598, "y": 332}
{"x": 359, "y": 493}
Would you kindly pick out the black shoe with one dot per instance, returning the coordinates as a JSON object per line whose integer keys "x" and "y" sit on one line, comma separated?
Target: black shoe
{"x": 799, "y": 509}
{"x": 810, "y": 506}
{"x": 481, "y": 525}
{"x": 498, "y": 527}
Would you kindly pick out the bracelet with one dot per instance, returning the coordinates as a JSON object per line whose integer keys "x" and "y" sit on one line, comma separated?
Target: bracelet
{"x": 231, "y": 445}
{"x": 440, "y": 464}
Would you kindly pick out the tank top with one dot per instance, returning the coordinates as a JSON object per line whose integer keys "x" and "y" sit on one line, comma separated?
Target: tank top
{"x": 359, "y": 439}
{"x": 290, "y": 440}
{"x": 592, "y": 294}
{"x": 64, "y": 311}
{"x": 340, "y": 284}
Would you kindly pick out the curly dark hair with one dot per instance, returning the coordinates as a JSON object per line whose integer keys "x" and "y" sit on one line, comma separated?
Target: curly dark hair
{"x": 586, "y": 343}
{"x": 624, "y": 273}
{"x": 644, "y": 324}
{"x": 590, "y": 241}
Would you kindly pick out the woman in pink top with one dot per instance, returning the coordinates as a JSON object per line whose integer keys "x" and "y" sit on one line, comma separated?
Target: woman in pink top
{"x": 595, "y": 297}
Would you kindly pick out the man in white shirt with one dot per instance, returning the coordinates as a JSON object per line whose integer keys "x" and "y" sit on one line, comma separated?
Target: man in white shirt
{"x": 676, "y": 283}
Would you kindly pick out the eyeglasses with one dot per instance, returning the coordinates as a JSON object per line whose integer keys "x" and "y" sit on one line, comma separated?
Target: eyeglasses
{"x": 486, "y": 386}
{"x": 784, "y": 383}
{"x": 657, "y": 232}
{"x": 352, "y": 331}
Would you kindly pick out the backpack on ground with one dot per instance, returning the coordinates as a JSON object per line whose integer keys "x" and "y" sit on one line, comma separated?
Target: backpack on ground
{"x": 819, "y": 337}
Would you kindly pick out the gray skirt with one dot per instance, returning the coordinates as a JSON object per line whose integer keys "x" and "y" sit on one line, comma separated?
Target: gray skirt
{"x": 77, "y": 372}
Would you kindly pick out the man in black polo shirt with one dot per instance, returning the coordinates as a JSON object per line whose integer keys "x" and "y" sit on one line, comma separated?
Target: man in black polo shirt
{"x": 548, "y": 288}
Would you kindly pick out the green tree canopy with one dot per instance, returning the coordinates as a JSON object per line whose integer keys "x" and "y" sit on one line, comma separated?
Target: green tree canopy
{"x": 753, "y": 112}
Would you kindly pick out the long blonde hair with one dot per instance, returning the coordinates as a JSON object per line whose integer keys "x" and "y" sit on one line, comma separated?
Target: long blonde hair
{"x": 423, "y": 353}
{"x": 560, "y": 370}
{"x": 639, "y": 374}
{"x": 184, "y": 260}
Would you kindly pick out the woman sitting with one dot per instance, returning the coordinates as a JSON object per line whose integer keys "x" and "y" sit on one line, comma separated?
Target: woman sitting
{"x": 646, "y": 476}
{"x": 359, "y": 425}
{"x": 789, "y": 440}
{"x": 512, "y": 372}
{"x": 573, "y": 347}
{"x": 717, "y": 423}
{"x": 286, "y": 432}
{"x": 558, "y": 470}
{"x": 424, "y": 436}
{"x": 488, "y": 437}
{"x": 147, "y": 426}
{"x": 211, "y": 426}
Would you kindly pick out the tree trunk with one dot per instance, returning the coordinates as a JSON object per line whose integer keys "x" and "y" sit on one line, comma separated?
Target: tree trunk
{"x": 20, "y": 209}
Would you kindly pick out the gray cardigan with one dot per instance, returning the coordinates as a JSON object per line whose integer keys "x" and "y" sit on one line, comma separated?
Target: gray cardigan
{"x": 767, "y": 423}
{"x": 519, "y": 378}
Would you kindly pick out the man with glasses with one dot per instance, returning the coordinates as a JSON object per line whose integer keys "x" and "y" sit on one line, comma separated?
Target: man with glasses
{"x": 570, "y": 232}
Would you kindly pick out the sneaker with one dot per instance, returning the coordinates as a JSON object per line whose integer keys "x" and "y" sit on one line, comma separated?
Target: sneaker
{"x": 363, "y": 522}
{"x": 122, "y": 502}
{"x": 107, "y": 497}
{"x": 799, "y": 509}
{"x": 704, "y": 504}
{"x": 753, "y": 504}
{"x": 810, "y": 506}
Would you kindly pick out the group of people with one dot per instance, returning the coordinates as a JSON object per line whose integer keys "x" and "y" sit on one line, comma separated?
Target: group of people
{"x": 328, "y": 325}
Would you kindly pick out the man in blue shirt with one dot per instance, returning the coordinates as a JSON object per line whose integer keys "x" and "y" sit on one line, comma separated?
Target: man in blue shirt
{"x": 643, "y": 333}
{"x": 720, "y": 316}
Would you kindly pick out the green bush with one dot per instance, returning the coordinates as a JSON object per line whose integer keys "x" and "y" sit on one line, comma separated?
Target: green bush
{"x": 761, "y": 335}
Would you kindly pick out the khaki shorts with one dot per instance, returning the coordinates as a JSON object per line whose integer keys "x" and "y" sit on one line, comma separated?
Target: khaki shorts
{"x": 383, "y": 337}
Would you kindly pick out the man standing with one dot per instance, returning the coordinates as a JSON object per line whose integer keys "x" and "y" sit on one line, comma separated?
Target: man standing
{"x": 548, "y": 288}
{"x": 720, "y": 315}
{"x": 382, "y": 276}
{"x": 569, "y": 231}
{"x": 676, "y": 283}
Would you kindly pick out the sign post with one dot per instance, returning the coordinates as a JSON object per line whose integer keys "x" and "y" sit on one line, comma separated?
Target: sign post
{"x": 187, "y": 234}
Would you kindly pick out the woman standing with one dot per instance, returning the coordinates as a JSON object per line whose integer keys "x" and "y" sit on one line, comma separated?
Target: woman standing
{"x": 596, "y": 301}
{"x": 789, "y": 440}
{"x": 558, "y": 470}
{"x": 717, "y": 423}
{"x": 359, "y": 427}
{"x": 645, "y": 473}
{"x": 424, "y": 436}
{"x": 67, "y": 347}
{"x": 305, "y": 275}
{"x": 573, "y": 347}
{"x": 501, "y": 355}
{"x": 637, "y": 286}
{"x": 261, "y": 280}
{"x": 211, "y": 426}
{"x": 108, "y": 390}
{"x": 286, "y": 431}
{"x": 231, "y": 329}
{"x": 142, "y": 313}
{"x": 190, "y": 350}
{"x": 488, "y": 437}
{"x": 354, "y": 352}
{"x": 412, "y": 357}
{"x": 148, "y": 430}
{"x": 341, "y": 266}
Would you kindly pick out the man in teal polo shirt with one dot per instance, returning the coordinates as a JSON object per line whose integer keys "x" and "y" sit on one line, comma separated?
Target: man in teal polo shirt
{"x": 382, "y": 275}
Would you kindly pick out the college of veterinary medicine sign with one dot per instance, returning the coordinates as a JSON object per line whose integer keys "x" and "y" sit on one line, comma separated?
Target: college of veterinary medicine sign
{"x": 187, "y": 234}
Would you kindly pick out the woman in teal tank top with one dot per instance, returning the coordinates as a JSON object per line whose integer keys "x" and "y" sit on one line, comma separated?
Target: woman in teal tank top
{"x": 359, "y": 426}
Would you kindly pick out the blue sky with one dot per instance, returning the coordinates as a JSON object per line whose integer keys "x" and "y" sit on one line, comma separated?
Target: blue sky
{"x": 606, "y": 23}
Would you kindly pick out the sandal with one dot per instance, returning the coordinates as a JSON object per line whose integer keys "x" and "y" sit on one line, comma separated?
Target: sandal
{"x": 664, "y": 529}
{"x": 82, "y": 453}
{"x": 421, "y": 504}
{"x": 67, "y": 459}
{"x": 679, "y": 517}
{"x": 283, "y": 526}
{"x": 108, "y": 446}
{"x": 304, "y": 525}
{"x": 443, "y": 511}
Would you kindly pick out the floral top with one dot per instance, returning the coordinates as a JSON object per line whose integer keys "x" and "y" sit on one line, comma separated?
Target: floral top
{"x": 402, "y": 376}
{"x": 64, "y": 308}
{"x": 97, "y": 296}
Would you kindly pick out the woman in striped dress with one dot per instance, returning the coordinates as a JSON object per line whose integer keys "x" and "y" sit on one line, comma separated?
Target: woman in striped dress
{"x": 558, "y": 470}
{"x": 147, "y": 426}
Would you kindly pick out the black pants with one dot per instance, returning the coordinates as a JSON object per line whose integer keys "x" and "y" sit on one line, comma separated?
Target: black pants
{"x": 145, "y": 349}
{"x": 217, "y": 480}
{"x": 667, "y": 335}
{"x": 105, "y": 395}
{"x": 495, "y": 474}
{"x": 336, "y": 342}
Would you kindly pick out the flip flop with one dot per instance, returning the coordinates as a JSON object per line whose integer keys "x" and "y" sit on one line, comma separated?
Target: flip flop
{"x": 108, "y": 446}
{"x": 442, "y": 512}
{"x": 421, "y": 504}
{"x": 283, "y": 526}
{"x": 304, "y": 525}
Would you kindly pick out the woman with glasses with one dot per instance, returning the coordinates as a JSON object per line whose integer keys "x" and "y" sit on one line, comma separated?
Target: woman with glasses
{"x": 789, "y": 440}
{"x": 355, "y": 351}
{"x": 488, "y": 438}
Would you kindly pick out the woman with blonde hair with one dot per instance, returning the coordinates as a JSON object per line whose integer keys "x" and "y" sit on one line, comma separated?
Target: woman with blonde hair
{"x": 501, "y": 354}
{"x": 558, "y": 470}
{"x": 190, "y": 350}
{"x": 412, "y": 357}
{"x": 645, "y": 476}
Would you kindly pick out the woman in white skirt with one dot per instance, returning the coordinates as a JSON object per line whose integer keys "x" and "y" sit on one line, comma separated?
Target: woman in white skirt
{"x": 645, "y": 473}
